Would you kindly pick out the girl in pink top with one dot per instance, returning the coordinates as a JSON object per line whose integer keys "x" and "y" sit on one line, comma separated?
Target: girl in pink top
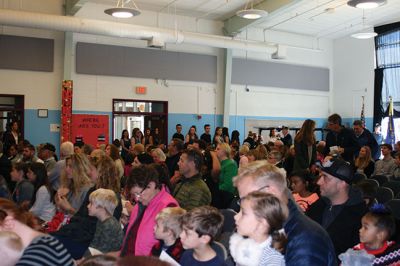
{"x": 301, "y": 183}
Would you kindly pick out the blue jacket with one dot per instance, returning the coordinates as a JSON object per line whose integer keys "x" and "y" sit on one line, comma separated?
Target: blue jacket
{"x": 308, "y": 243}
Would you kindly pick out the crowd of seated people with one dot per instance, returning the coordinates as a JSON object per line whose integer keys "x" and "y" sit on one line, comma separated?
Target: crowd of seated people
{"x": 208, "y": 200}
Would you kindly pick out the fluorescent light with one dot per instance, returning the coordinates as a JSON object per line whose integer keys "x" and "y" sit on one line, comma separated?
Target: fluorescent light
{"x": 366, "y": 4}
{"x": 364, "y": 35}
{"x": 251, "y": 13}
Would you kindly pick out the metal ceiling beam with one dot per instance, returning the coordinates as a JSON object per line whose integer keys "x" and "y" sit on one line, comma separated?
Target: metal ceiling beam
{"x": 235, "y": 24}
{"x": 73, "y": 6}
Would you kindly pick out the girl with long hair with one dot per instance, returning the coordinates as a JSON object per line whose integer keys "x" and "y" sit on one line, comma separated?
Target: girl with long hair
{"x": 43, "y": 199}
{"x": 364, "y": 163}
{"x": 191, "y": 135}
{"x": 305, "y": 147}
{"x": 218, "y": 139}
{"x": 147, "y": 138}
{"x": 113, "y": 152}
{"x": 125, "y": 143}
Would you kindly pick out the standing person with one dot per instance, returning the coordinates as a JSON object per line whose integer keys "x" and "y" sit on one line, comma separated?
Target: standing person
{"x": 235, "y": 141}
{"x": 178, "y": 134}
{"x": 206, "y": 136}
{"x": 217, "y": 139}
{"x": 365, "y": 138}
{"x": 261, "y": 216}
{"x": 340, "y": 140}
{"x": 5, "y": 169}
{"x": 39, "y": 248}
{"x": 191, "y": 135}
{"x": 308, "y": 243}
{"x": 113, "y": 152}
{"x": 157, "y": 138}
{"x": 272, "y": 137}
{"x": 191, "y": 191}
{"x": 340, "y": 208}
{"x": 229, "y": 169}
{"x": 364, "y": 163}
{"x": 147, "y": 138}
{"x": 11, "y": 136}
{"x": 137, "y": 136}
{"x": 286, "y": 138}
{"x": 378, "y": 134}
{"x": 225, "y": 135}
{"x": 305, "y": 147}
{"x": 43, "y": 200}
{"x": 125, "y": 144}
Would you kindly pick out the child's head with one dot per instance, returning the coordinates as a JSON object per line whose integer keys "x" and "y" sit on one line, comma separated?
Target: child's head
{"x": 300, "y": 181}
{"x": 377, "y": 226}
{"x": 11, "y": 248}
{"x": 102, "y": 199}
{"x": 169, "y": 223}
{"x": 261, "y": 214}
{"x": 200, "y": 226}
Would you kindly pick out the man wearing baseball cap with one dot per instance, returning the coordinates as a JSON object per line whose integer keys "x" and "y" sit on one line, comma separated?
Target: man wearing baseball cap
{"x": 340, "y": 208}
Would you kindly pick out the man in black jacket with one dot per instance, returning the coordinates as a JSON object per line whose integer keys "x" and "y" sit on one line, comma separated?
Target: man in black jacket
{"x": 340, "y": 140}
{"x": 341, "y": 207}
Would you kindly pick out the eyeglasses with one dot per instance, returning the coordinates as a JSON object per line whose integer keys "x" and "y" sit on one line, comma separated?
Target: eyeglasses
{"x": 260, "y": 189}
{"x": 139, "y": 194}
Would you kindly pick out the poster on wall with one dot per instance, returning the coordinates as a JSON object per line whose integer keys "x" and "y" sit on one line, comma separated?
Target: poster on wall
{"x": 90, "y": 129}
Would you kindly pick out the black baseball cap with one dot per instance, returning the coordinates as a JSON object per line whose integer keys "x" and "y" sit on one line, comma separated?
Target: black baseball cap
{"x": 339, "y": 169}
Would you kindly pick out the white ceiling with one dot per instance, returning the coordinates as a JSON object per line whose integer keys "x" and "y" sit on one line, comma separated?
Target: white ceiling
{"x": 307, "y": 17}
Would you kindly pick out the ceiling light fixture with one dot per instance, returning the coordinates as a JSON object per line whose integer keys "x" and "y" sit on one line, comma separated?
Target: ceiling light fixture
{"x": 366, "y": 4}
{"x": 121, "y": 11}
{"x": 249, "y": 12}
{"x": 364, "y": 33}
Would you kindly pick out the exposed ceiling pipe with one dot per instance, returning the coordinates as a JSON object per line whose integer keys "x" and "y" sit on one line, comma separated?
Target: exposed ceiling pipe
{"x": 114, "y": 29}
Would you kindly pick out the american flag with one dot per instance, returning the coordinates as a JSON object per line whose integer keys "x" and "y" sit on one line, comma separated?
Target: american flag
{"x": 362, "y": 118}
{"x": 390, "y": 136}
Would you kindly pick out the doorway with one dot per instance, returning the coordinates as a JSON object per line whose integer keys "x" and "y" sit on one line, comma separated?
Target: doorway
{"x": 12, "y": 109}
{"x": 129, "y": 114}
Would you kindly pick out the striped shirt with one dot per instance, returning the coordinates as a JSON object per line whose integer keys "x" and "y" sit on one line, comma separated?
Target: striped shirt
{"x": 270, "y": 256}
{"x": 45, "y": 250}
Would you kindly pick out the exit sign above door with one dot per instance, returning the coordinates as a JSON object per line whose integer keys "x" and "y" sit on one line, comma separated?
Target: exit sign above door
{"x": 141, "y": 90}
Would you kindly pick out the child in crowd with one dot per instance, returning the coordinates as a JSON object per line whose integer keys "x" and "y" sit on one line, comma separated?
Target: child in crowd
{"x": 377, "y": 228}
{"x": 108, "y": 236}
{"x": 11, "y": 248}
{"x": 301, "y": 183}
{"x": 200, "y": 227}
{"x": 259, "y": 239}
{"x": 167, "y": 230}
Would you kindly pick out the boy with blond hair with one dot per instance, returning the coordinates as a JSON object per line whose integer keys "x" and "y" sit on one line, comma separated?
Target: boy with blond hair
{"x": 200, "y": 226}
{"x": 11, "y": 248}
{"x": 167, "y": 230}
{"x": 109, "y": 235}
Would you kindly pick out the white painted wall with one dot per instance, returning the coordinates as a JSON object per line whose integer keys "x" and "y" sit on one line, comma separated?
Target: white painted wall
{"x": 41, "y": 89}
{"x": 353, "y": 69}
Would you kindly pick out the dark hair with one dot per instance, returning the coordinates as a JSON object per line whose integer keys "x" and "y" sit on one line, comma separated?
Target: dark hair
{"x": 99, "y": 260}
{"x": 305, "y": 176}
{"x": 141, "y": 260}
{"x": 79, "y": 144}
{"x": 41, "y": 180}
{"x": 202, "y": 143}
{"x": 122, "y": 134}
{"x": 335, "y": 118}
{"x": 225, "y": 132}
{"x": 387, "y": 146}
{"x": 141, "y": 176}
{"x": 20, "y": 166}
{"x": 204, "y": 220}
{"x": 179, "y": 144}
{"x": 178, "y": 125}
{"x": 29, "y": 146}
{"x": 383, "y": 219}
{"x": 235, "y": 136}
{"x": 206, "y": 125}
{"x": 195, "y": 156}
{"x": 358, "y": 123}
{"x": 163, "y": 174}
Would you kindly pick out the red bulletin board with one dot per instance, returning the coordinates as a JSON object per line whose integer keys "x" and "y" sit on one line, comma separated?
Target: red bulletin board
{"x": 91, "y": 129}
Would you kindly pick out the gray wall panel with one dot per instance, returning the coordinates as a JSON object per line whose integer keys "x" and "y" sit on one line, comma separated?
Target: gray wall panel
{"x": 271, "y": 74}
{"x": 26, "y": 53}
{"x": 99, "y": 59}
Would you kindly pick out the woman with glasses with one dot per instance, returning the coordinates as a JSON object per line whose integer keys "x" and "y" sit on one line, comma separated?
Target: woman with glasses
{"x": 39, "y": 248}
{"x": 151, "y": 197}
